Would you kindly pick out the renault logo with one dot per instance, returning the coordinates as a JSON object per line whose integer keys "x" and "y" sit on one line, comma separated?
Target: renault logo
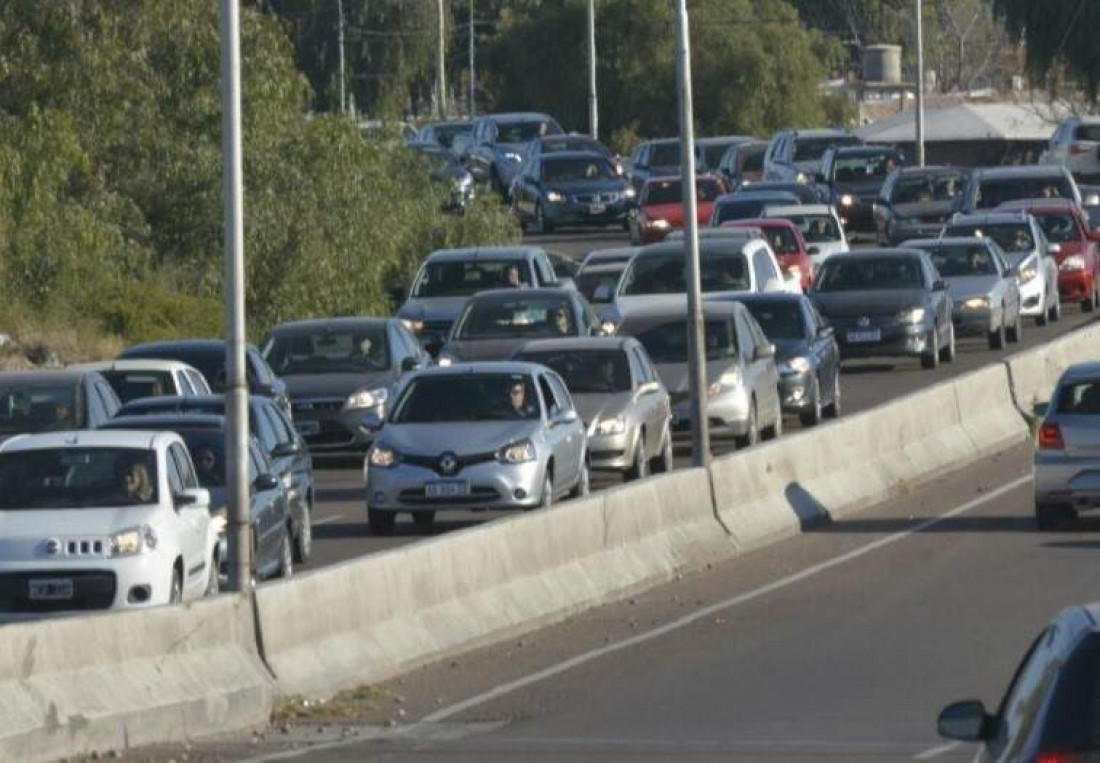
{"x": 448, "y": 463}
{"x": 864, "y": 322}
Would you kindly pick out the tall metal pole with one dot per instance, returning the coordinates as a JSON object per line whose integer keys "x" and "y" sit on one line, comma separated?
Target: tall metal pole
{"x": 340, "y": 44}
{"x": 442, "y": 83}
{"x": 697, "y": 370}
{"x": 236, "y": 393}
{"x": 473, "y": 79}
{"x": 593, "y": 103}
{"x": 920, "y": 88}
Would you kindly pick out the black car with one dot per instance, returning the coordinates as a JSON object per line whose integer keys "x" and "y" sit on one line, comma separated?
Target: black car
{"x": 279, "y": 441}
{"x": 51, "y": 401}
{"x": 743, "y": 163}
{"x": 854, "y": 176}
{"x": 654, "y": 159}
{"x": 806, "y": 353}
{"x": 571, "y": 188}
{"x": 208, "y": 355}
{"x": 748, "y": 205}
{"x": 268, "y": 506}
{"x": 445, "y": 169}
{"x": 916, "y": 202}
{"x": 886, "y": 303}
{"x": 495, "y": 150}
{"x": 337, "y": 370}
{"x": 443, "y": 134}
{"x": 990, "y": 187}
{"x": 709, "y": 151}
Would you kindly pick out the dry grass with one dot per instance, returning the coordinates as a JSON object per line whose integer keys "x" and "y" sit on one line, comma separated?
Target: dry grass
{"x": 347, "y": 705}
{"x": 69, "y": 338}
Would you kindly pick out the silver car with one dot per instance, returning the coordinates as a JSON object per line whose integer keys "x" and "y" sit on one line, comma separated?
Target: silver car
{"x": 624, "y": 406}
{"x": 742, "y": 378}
{"x": 478, "y": 435}
{"x": 1067, "y": 455}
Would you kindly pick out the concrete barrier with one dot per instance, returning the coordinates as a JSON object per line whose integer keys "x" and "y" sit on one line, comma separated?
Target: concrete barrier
{"x": 369, "y": 619}
{"x": 1033, "y": 373}
{"x": 77, "y": 685}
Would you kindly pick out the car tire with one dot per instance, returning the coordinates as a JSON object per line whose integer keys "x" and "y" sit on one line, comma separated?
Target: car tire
{"x": 381, "y": 523}
{"x": 584, "y": 483}
{"x": 752, "y": 432}
{"x": 546, "y": 500}
{"x": 175, "y": 593}
{"x": 1052, "y": 517}
{"x": 1044, "y": 317}
{"x": 1016, "y": 331}
{"x": 423, "y": 518}
{"x": 665, "y": 461}
{"x": 1056, "y": 309}
{"x": 813, "y": 417}
{"x": 833, "y": 409}
{"x": 213, "y": 584}
{"x": 931, "y": 358}
{"x": 947, "y": 354}
{"x": 543, "y": 227}
{"x": 286, "y": 556}
{"x": 1090, "y": 304}
{"x": 640, "y": 468}
{"x": 775, "y": 431}
{"x": 997, "y": 338}
{"x": 303, "y": 539}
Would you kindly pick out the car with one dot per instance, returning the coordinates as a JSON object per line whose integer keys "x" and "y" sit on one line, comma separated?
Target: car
{"x": 279, "y": 442}
{"x": 1025, "y": 248}
{"x": 1067, "y": 452}
{"x": 209, "y": 356}
{"x": 1073, "y": 242}
{"x": 805, "y": 350}
{"x": 806, "y": 193}
{"x": 660, "y": 207}
{"x": 337, "y": 369}
{"x": 102, "y": 521}
{"x": 571, "y": 142}
{"x": 916, "y": 202}
{"x": 493, "y": 324}
{"x": 448, "y": 277}
{"x": 495, "y": 150}
{"x": 820, "y": 226}
{"x": 131, "y": 379}
{"x": 741, "y": 375}
{"x": 390, "y": 131}
{"x": 1045, "y": 713}
{"x": 654, "y": 159}
{"x": 599, "y": 283}
{"x": 609, "y": 256}
{"x": 748, "y": 205}
{"x": 709, "y": 151}
{"x": 854, "y": 176}
{"x": 1075, "y": 146}
{"x": 795, "y": 155}
{"x": 886, "y": 303}
{"x": 565, "y": 268}
{"x": 743, "y": 163}
{"x": 619, "y": 396}
{"x": 1090, "y": 202}
{"x": 984, "y": 294}
{"x": 499, "y": 435}
{"x": 990, "y": 187}
{"x": 787, "y": 244}
{"x": 50, "y": 401}
{"x": 443, "y": 134}
{"x": 570, "y": 189}
{"x": 269, "y": 510}
{"x": 445, "y": 169}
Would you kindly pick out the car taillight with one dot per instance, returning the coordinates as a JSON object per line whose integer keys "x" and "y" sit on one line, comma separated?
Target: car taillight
{"x": 1059, "y": 757}
{"x": 1050, "y": 437}
{"x": 1076, "y": 149}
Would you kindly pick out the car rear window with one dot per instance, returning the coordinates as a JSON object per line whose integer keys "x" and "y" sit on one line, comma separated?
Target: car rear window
{"x": 1072, "y": 723}
{"x": 865, "y": 274}
{"x": 1080, "y": 398}
{"x": 1059, "y": 228}
{"x": 667, "y": 342}
{"x": 994, "y": 192}
{"x": 1087, "y": 132}
{"x": 130, "y": 385}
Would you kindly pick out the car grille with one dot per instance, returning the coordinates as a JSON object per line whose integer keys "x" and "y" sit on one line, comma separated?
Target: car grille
{"x": 432, "y": 462}
{"x": 597, "y": 198}
{"x": 85, "y": 547}
{"x": 479, "y": 495}
{"x": 436, "y": 328}
{"x": 317, "y": 405}
{"x": 91, "y": 590}
{"x": 332, "y": 434}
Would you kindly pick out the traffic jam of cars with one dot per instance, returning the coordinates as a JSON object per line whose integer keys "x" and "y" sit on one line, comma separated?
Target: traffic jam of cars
{"x": 508, "y": 375}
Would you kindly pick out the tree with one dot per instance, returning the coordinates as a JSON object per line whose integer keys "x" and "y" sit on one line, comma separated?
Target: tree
{"x": 1060, "y": 40}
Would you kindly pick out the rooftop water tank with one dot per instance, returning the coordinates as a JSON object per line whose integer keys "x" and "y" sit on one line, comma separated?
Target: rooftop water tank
{"x": 882, "y": 63}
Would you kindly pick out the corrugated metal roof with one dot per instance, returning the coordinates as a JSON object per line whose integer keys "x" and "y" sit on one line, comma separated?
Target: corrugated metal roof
{"x": 968, "y": 121}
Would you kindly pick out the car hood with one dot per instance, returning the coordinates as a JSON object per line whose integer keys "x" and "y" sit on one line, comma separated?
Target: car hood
{"x": 593, "y": 406}
{"x": 461, "y": 438}
{"x": 22, "y": 532}
{"x": 785, "y": 349}
{"x": 589, "y": 186}
{"x": 962, "y": 287}
{"x": 674, "y": 213}
{"x": 827, "y": 249}
{"x": 675, "y": 375}
{"x": 928, "y": 211}
{"x": 433, "y": 309}
{"x": 449, "y": 174}
{"x": 334, "y": 385}
{"x": 484, "y": 349}
{"x": 853, "y": 304}
{"x": 862, "y": 190}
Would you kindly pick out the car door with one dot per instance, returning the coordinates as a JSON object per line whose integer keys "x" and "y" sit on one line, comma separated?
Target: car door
{"x": 298, "y": 475}
{"x": 654, "y": 407}
{"x": 557, "y": 435}
{"x": 193, "y": 522}
{"x": 267, "y": 521}
{"x": 824, "y": 345}
{"x": 575, "y": 436}
{"x": 765, "y": 367}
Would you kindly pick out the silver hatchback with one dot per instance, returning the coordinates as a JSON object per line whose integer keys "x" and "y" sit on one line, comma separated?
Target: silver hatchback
{"x": 1067, "y": 455}
{"x": 475, "y": 436}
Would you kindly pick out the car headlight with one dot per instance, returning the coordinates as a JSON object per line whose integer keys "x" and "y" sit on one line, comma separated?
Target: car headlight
{"x": 616, "y": 425}
{"x": 1028, "y": 274}
{"x": 802, "y": 177}
{"x": 629, "y": 193}
{"x": 513, "y": 157}
{"x": 728, "y": 380}
{"x": 847, "y": 200}
{"x": 794, "y": 272}
{"x": 382, "y": 457}
{"x": 659, "y": 223}
{"x": 976, "y": 303}
{"x": 520, "y": 452}
{"x": 132, "y": 541}
{"x": 414, "y": 326}
{"x": 1073, "y": 262}
{"x": 445, "y": 360}
{"x": 912, "y": 315}
{"x": 555, "y": 197}
{"x": 796, "y": 365}
{"x": 608, "y": 328}
{"x": 465, "y": 181}
{"x": 366, "y": 398}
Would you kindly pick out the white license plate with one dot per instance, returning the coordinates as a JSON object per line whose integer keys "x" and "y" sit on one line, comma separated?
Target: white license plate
{"x": 306, "y": 428}
{"x": 870, "y": 335}
{"x": 453, "y": 489}
{"x": 597, "y": 209}
{"x": 57, "y": 589}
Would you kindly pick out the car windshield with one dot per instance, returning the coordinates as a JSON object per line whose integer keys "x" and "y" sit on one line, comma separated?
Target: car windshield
{"x": 858, "y": 169}
{"x": 782, "y": 240}
{"x": 30, "y": 408}
{"x": 811, "y": 149}
{"x": 467, "y": 397}
{"x": 667, "y": 342}
{"x": 446, "y": 134}
{"x": 464, "y": 278}
{"x": 665, "y": 155}
{"x": 994, "y": 192}
{"x": 962, "y": 260}
{"x": 1014, "y": 238}
{"x": 754, "y": 158}
{"x": 130, "y": 385}
{"x": 924, "y": 189}
{"x": 587, "y": 371}
{"x": 816, "y": 229}
{"x": 563, "y": 170}
{"x": 711, "y": 154}
{"x": 438, "y": 158}
{"x": 1072, "y": 721}
{"x": 525, "y": 132}
{"x": 866, "y": 274}
{"x": 77, "y": 478}
{"x": 207, "y": 450}
{"x": 780, "y": 319}
{"x": 572, "y": 143}
{"x": 589, "y": 282}
{"x": 1058, "y": 228}
{"x": 670, "y": 192}
{"x": 329, "y": 351}
{"x": 1080, "y": 398}
{"x": 496, "y": 318}
{"x": 664, "y": 274}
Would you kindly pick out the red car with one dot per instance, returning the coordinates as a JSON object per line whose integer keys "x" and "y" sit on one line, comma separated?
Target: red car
{"x": 786, "y": 241}
{"x": 1072, "y": 240}
{"x": 660, "y": 207}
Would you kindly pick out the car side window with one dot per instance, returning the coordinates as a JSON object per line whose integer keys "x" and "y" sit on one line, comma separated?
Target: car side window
{"x": 546, "y": 270}
{"x": 183, "y": 464}
{"x": 637, "y": 368}
{"x": 561, "y": 393}
{"x": 745, "y": 339}
{"x": 97, "y": 409}
{"x": 1028, "y": 688}
{"x": 553, "y": 406}
{"x": 183, "y": 382}
{"x": 260, "y": 368}
{"x": 283, "y": 428}
{"x": 265, "y": 433}
{"x": 758, "y": 336}
{"x": 762, "y": 269}
{"x": 175, "y": 478}
{"x": 256, "y": 464}
{"x": 198, "y": 381}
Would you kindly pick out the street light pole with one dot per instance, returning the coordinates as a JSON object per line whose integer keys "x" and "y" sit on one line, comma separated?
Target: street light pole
{"x": 920, "y": 88}
{"x": 593, "y": 103}
{"x": 473, "y": 79}
{"x": 236, "y": 394}
{"x": 340, "y": 45}
{"x": 442, "y": 84}
{"x": 697, "y": 380}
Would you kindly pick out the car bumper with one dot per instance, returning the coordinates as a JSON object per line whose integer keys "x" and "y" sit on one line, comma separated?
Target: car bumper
{"x": 575, "y": 213}
{"x": 1032, "y": 297}
{"x": 1067, "y": 480}
{"x": 972, "y": 322}
{"x": 796, "y": 392}
{"x": 895, "y": 340}
{"x": 903, "y": 231}
{"x": 492, "y": 485}
{"x": 327, "y": 428}
{"x": 612, "y": 452}
{"x": 1075, "y": 284}
{"x": 728, "y": 410}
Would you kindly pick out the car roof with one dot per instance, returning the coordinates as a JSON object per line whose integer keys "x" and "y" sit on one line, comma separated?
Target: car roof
{"x": 523, "y": 293}
{"x": 618, "y": 251}
{"x": 86, "y": 438}
{"x": 660, "y": 141}
{"x": 484, "y": 253}
{"x": 579, "y": 343}
{"x": 1089, "y": 369}
{"x": 653, "y": 180}
{"x": 133, "y": 364}
{"x": 822, "y": 132}
{"x": 871, "y": 254}
{"x": 711, "y": 241}
{"x": 673, "y": 309}
{"x": 1019, "y": 170}
{"x": 932, "y": 169}
{"x": 990, "y": 218}
{"x": 867, "y": 148}
{"x": 760, "y": 222}
{"x": 482, "y": 367}
{"x": 946, "y": 241}
{"x": 759, "y": 297}
{"x": 313, "y": 324}
{"x": 450, "y": 123}
{"x": 518, "y": 116}
{"x": 729, "y": 198}
{"x": 604, "y": 267}
{"x": 177, "y": 345}
{"x": 1039, "y": 205}
{"x": 716, "y": 139}
{"x": 167, "y": 421}
{"x": 799, "y": 209}
{"x": 185, "y": 403}
{"x": 559, "y": 156}
{"x": 42, "y": 378}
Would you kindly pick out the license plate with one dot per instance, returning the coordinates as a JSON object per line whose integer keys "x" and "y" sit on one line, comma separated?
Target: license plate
{"x": 58, "y": 589}
{"x": 870, "y": 335}
{"x": 455, "y": 489}
{"x": 306, "y": 428}
{"x": 597, "y": 209}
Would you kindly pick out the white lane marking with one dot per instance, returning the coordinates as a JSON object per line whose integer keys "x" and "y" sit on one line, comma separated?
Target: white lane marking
{"x": 935, "y": 752}
{"x": 328, "y": 520}
{"x": 702, "y": 614}
{"x": 428, "y": 734}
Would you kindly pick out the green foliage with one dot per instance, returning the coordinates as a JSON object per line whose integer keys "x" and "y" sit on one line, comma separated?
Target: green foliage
{"x": 1060, "y": 39}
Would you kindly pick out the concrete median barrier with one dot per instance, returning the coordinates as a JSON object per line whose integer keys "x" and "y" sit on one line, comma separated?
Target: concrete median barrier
{"x": 369, "y": 619}
{"x": 1033, "y": 373}
{"x": 113, "y": 681}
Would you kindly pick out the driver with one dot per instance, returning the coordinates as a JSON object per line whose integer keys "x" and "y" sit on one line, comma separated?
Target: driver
{"x": 561, "y": 320}
{"x": 517, "y": 400}
{"x": 511, "y": 277}
{"x": 977, "y": 260}
{"x": 1021, "y": 242}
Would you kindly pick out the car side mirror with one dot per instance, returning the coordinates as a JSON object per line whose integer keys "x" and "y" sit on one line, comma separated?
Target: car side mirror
{"x": 648, "y": 388}
{"x": 1054, "y": 248}
{"x": 814, "y": 250}
{"x": 602, "y": 293}
{"x": 372, "y": 421}
{"x": 265, "y": 482}
{"x": 409, "y": 363}
{"x": 825, "y": 331}
{"x": 195, "y": 497}
{"x": 284, "y": 449}
{"x": 763, "y": 352}
{"x": 965, "y": 722}
{"x": 939, "y": 285}
{"x": 1012, "y": 273}
{"x": 564, "y": 417}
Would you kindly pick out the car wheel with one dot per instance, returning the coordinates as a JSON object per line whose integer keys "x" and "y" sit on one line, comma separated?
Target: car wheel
{"x": 381, "y": 522}
{"x": 584, "y": 484}
{"x": 1051, "y": 517}
{"x": 665, "y": 461}
{"x": 775, "y": 431}
{"x": 547, "y": 498}
{"x": 752, "y": 433}
{"x": 423, "y": 518}
{"x": 1090, "y": 304}
{"x": 303, "y": 541}
{"x": 1046, "y": 314}
{"x": 1016, "y": 331}
{"x": 286, "y": 556}
{"x": 175, "y": 593}
{"x": 213, "y": 585}
{"x": 542, "y": 225}
{"x": 947, "y": 354}
{"x": 640, "y": 468}
{"x": 1056, "y": 309}
{"x": 813, "y": 417}
{"x": 832, "y": 410}
{"x": 997, "y": 338}
{"x": 931, "y": 358}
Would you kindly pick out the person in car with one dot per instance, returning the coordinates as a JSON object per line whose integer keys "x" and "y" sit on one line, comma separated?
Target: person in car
{"x": 134, "y": 482}
{"x": 511, "y": 277}
{"x": 517, "y": 400}
{"x": 206, "y": 464}
{"x": 562, "y": 324}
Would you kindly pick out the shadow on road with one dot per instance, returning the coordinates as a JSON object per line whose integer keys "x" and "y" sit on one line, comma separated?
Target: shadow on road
{"x": 341, "y": 494}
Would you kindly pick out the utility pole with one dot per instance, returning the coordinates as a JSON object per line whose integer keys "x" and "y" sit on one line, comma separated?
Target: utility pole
{"x": 920, "y": 88}
{"x": 473, "y": 79}
{"x": 442, "y": 83}
{"x": 697, "y": 369}
{"x": 340, "y": 45}
{"x": 593, "y": 103}
{"x": 236, "y": 393}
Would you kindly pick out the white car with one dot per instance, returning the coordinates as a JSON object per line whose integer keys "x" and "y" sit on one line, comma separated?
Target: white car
{"x": 146, "y": 377}
{"x": 102, "y": 520}
{"x": 821, "y": 228}
{"x": 1076, "y": 146}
